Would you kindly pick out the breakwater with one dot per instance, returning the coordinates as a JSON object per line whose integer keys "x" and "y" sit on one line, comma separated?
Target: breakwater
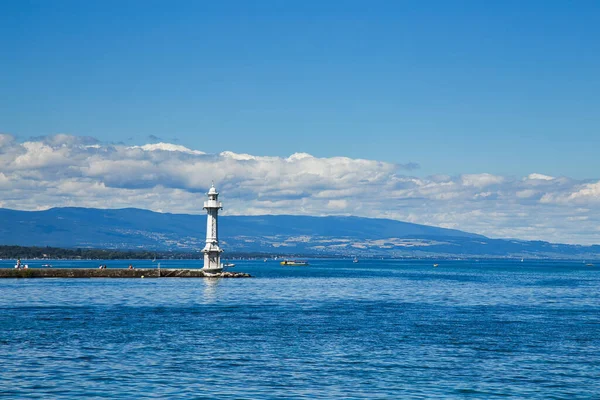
{"x": 112, "y": 273}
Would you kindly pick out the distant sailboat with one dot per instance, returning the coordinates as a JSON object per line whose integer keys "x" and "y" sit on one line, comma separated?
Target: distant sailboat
{"x": 355, "y": 260}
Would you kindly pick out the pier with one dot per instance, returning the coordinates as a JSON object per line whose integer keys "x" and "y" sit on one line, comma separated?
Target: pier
{"x": 114, "y": 273}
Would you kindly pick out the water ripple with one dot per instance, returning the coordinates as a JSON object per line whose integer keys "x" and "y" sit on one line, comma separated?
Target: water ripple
{"x": 378, "y": 330}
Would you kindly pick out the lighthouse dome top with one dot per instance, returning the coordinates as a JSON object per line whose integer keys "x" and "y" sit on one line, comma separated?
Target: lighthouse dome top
{"x": 212, "y": 190}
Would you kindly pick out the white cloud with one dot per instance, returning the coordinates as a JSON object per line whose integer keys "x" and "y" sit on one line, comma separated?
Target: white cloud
{"x": 65, "y": 170}
{"x": 235, "y": 156}
{"x": 481, "y": 180}
{"x": 536, "y": 176}
{"x": 337, "y": 204}
{"x": 589, "y": 191}
{"x": 525, "y": 194}
{"x": 167, "y": 147}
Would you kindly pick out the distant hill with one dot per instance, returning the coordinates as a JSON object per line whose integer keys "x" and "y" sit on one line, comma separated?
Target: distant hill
{"x": 277, "y": 234}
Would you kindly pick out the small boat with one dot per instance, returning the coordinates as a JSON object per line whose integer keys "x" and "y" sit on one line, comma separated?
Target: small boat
{"x": 435, "y": 265}
{"x": 355, "y": 260}
{"x": 47, "y": 265}
{"x": 293, "y": 263}
{"x": 228, "y": 265}
{"x": 589, "y": 265}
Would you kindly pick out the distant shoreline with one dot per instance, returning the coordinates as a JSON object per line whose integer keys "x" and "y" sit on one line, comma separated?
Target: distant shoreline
{"x": 9, "y": 252}
{"x": 37, "y": 253}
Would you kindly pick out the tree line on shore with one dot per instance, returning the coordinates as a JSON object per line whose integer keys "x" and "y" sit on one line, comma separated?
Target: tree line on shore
{"x": 55, "y": 253}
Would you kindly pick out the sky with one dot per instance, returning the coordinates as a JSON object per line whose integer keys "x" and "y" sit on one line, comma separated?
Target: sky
{"x": 480, "y": 116}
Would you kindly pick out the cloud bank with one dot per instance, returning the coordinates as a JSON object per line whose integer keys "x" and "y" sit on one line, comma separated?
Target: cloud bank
{"x": 64, "y": 170}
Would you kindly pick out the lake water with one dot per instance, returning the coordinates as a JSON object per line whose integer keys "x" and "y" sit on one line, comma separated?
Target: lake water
{"x": 371, "y": 330}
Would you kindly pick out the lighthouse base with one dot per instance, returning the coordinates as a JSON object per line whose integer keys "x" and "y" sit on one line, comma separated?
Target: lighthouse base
{"x": 212, "y": 260}
{"x": 215, "y": 271}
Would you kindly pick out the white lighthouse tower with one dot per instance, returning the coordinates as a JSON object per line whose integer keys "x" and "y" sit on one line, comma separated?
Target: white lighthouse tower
{"x": 212, "y": 251}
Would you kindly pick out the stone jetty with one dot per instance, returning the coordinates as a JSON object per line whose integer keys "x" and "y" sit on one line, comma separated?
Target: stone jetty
{"x": 113, "y": 273}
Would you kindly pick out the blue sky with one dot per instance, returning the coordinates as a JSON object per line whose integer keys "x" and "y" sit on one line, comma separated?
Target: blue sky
{"x": 507, "y": 87}
{"x": 309, "y": 107}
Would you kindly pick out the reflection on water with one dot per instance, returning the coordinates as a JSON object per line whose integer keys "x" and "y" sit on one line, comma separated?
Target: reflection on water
{"x": 210, "y": 289}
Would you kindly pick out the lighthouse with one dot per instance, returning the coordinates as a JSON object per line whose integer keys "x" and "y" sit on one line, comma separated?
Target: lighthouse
{"x": 212, "y": 251}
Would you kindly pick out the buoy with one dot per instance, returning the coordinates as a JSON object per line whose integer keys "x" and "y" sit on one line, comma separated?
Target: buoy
{"x": 142, "y": 276}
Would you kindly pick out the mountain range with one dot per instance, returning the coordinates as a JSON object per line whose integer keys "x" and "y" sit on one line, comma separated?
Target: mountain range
{"x": 133, "y": 229}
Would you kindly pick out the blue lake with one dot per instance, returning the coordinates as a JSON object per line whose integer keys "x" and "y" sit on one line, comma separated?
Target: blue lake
{"x": 376, "y": 329}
